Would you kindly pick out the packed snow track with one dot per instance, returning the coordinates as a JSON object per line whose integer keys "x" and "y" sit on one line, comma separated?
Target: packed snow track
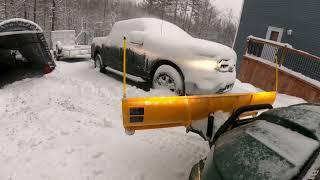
{"x": 67, "y": 125}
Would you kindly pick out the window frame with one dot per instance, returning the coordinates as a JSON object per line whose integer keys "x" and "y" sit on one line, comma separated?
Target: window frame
{"x": 275, "y": 29}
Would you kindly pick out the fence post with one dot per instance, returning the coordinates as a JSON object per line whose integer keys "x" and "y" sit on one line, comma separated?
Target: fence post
{"x": 283, "y": 55}
{"x": 246, "y": 47}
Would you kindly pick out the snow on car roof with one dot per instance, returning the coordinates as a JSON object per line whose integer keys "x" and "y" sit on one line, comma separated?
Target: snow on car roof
{"x": 161, "y": 39}
{"x": 153, "y": 26}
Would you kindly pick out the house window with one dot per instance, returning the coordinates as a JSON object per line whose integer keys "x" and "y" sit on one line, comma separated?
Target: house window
{"x": 274, "y": 34}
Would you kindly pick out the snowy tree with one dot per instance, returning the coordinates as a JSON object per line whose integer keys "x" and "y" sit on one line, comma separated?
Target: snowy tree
{"x": 34, "y": 10}
{"x": 200, "y": 18}
{"x": 175, "y": 11}
{"x": 53, "y": 15}
{"x": 3, "y": 9}
{"x": 228, "y": 28}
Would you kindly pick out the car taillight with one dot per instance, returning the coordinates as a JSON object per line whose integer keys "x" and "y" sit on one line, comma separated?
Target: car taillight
{"x": 47, "y": 69}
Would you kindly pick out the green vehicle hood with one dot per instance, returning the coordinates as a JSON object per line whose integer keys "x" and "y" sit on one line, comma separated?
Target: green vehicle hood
{"x": 276, "y": 146}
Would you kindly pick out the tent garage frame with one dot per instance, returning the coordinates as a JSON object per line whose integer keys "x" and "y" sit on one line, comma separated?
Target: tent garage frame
{"x": 23, "y": 41}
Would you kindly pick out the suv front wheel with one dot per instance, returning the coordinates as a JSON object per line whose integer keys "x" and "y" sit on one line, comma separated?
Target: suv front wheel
{"x": 169, "y": 78}
{"x": 98, "y": 65}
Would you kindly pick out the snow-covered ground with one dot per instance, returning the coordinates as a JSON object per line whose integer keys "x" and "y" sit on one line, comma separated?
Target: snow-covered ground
{"x": 67, "y": 125}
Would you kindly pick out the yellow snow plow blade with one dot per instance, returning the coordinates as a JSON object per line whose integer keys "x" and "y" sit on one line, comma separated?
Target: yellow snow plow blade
{"x": 164, "y": 112}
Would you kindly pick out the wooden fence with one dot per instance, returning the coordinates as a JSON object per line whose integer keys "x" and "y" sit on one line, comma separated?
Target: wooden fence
{"x": 258, "y": 68}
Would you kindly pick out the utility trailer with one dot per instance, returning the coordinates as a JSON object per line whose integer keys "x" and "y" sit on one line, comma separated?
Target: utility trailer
{"x": 65, "y": 47}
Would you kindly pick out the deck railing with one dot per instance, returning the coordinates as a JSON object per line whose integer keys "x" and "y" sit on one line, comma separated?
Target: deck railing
{"x": 285, "y": 55}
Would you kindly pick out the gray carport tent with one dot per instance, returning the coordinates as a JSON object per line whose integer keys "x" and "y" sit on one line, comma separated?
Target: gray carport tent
{"x": 27, "y": 38}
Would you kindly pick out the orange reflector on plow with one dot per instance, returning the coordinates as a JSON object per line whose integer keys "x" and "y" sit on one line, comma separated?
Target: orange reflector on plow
{"x": 163, "y": 112}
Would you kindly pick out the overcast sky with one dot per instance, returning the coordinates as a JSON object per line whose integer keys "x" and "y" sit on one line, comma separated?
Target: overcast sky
{"x": 224, "y": 5}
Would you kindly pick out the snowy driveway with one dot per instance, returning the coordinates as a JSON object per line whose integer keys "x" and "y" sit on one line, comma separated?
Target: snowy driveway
{"x": 67, "y": 125}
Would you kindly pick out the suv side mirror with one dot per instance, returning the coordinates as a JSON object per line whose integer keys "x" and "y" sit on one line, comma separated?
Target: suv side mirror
{"x": 136, "y": 37}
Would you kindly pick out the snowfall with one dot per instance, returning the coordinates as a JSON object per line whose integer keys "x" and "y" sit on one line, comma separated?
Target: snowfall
{"x": 67, "y": 125}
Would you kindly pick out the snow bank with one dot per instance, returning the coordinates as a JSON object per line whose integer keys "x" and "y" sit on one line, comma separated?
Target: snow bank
{"x": 68, "y": 124}
{"x": 240, "y": 87}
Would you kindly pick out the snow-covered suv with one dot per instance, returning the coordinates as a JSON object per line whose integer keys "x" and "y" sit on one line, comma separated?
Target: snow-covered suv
{"x": 167, "y": 56}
